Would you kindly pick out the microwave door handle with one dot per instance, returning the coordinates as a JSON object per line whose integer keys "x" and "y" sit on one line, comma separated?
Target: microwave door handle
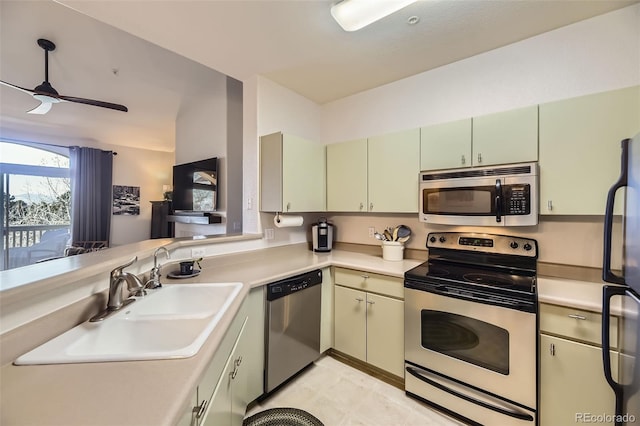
{"x": 498, "y": 201}
{"x": 607, "y": 274}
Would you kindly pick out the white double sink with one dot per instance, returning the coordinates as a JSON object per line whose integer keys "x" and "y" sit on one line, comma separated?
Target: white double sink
{"x": 171, "y": 322}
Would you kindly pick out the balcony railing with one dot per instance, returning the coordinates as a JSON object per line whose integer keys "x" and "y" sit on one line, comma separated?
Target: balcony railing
{"x": 28, "y": 244}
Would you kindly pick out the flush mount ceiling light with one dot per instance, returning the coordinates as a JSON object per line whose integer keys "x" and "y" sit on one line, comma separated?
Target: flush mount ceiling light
{"x": 353, "y": 15}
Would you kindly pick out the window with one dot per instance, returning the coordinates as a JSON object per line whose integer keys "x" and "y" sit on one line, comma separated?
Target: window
{"x": 36, "y": 195}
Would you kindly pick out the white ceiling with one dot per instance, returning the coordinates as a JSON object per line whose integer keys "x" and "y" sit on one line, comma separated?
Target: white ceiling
{"x": 295, "y": 43}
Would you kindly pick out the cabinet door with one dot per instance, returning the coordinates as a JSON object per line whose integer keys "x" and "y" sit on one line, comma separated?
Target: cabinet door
{"x": 446, "y": 146}
{"x": 350, "y": 322}
{"x": 506, "y": 137}
{"x": 393, "y": 165}
{"x": 580, "y": 150}
{"x": 224, "y": 403}
{"x": 303, "y": 175}
{"x": 385, "y": 333}
{"x": 347, "y": 176}
{"x": 572, "y": 381}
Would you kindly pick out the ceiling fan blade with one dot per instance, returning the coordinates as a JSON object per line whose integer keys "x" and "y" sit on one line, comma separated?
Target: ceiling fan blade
{"x": 13, "y": 86}
{"x": 95, "y": 103}
{"x": 43, "y": 108}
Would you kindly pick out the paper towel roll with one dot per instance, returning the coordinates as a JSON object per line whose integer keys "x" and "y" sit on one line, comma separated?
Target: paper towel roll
{"x": 282, "y": 221}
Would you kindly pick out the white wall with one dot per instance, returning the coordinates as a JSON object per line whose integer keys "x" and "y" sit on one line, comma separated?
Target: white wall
{"x": 268, "y": 108}
{"x": 595, "y": 55}
{"x": 149, "y": 170}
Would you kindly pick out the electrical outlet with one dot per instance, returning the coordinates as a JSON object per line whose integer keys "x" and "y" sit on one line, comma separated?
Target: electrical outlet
{"x": 269, "y": 234}
{"x": 198, "y": 252}
{"x": 372, "y": 232}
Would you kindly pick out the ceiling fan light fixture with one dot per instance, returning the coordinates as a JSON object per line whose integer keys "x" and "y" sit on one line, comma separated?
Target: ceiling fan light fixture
{"x": 353, "y": 15}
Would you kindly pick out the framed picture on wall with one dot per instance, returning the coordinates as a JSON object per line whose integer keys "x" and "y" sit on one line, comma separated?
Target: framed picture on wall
{"x": 126, "y": 200}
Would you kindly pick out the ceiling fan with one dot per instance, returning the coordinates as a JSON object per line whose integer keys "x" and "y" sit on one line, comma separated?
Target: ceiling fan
{"x": 48, "y": 96}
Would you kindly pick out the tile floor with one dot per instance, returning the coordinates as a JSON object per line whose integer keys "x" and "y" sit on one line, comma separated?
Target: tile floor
{"x": 338, "y": 395}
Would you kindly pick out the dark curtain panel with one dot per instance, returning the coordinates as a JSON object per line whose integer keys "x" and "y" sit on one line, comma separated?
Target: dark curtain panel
{"x": 91, "y": 172}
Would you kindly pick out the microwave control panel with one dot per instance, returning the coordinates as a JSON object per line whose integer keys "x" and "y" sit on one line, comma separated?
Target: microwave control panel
{"x": 517, "y": 199}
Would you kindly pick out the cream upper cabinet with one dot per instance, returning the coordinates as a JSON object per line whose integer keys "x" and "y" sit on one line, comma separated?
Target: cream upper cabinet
{"x": 506, "y": 137}
{"x": 347, "y": 176}
{"x": 393, "y": 163}
{"x": 446, "y": 145}
{"x": 292, "y": 174}
{"x": 580, "y": 150}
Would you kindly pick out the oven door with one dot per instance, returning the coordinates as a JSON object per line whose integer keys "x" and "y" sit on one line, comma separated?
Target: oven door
{"x": 484, "y": 346}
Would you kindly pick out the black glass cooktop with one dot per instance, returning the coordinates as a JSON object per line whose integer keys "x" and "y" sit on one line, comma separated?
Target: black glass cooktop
{"x": 489, "y": 278}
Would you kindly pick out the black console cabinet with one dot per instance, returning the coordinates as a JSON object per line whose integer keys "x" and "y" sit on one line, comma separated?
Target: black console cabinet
{"x": 160, "y": 225}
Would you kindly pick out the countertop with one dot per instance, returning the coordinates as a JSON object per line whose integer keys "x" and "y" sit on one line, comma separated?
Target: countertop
{"x": 157, "y": 392}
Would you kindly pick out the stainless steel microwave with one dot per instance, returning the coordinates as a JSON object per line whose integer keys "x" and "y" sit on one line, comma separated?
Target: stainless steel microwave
{"x": 504, "y": 195}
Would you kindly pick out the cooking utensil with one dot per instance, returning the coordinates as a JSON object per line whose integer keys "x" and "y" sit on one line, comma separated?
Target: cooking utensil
{"x": 403, "y": 231}
{"x": 403, "y": 239}
{"x": 387, "y": 234}
{"x": 379, "y": 236}
{"x": 395, "y": 234}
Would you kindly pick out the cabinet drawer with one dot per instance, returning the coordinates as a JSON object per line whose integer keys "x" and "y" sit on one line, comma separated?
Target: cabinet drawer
{"x": 367, "y": 281}
{"x": 575, "y": 324}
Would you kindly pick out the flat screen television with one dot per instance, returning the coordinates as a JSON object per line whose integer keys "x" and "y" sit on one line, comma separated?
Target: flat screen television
{"x": 195, "y": 186}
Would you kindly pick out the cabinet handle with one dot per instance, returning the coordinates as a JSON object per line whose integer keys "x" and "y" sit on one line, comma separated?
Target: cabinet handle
{"x": 463, "y": 160}
{"x": 359, "y": 299}
{"x": 549, "y": 205}
{"x": 361, "y": 206}
{"x": 199, "y": 409}
{"x": 578, "y": 317}
{"x": 552, "y": 349}
{"x": 479, "y": 158}
{"x": 370, "y": 207}
{"x": 239, "y": 361}
{"x": 371, "y": 302}
{"x": 288, "y": 206}
{"x": 365, "y": 276}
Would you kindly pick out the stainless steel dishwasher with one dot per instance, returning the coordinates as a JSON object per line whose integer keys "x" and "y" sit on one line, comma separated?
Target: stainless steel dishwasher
{"x": 292, "y": 327}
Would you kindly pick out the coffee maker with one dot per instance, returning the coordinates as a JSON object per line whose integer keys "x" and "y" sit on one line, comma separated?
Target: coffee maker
{"x": 322, "y": 235}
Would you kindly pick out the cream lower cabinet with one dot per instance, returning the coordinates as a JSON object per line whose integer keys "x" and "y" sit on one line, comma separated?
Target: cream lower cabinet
{"x": 572, "y": 383}
{"x": 369, "y": 326}
{"x": 580, "y": 150}
{"x": 235, "y": 375}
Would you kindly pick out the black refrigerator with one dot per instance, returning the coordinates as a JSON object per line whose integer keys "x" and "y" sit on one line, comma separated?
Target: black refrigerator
{"x": 626, "y": 383}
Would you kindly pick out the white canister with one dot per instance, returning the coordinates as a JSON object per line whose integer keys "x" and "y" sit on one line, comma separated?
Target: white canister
{"x": 392, "y": 250}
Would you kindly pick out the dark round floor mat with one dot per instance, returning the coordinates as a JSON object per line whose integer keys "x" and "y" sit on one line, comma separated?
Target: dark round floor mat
{"x": 282, "y": 417}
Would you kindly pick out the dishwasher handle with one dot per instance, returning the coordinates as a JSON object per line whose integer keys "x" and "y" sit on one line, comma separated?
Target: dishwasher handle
{"x": 279, "y": 289}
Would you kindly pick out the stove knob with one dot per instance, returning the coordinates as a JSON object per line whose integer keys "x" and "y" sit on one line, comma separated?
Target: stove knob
{"x": 432, "y": 239}
{"x": 527, "y": 246}
{"x": 443, "y": 239}
{"x": 513, "y": 245}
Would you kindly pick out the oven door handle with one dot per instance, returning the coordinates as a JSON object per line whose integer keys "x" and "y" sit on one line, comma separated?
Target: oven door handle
{"x": 498, "y": 201}
{"x": 511, "y": 413}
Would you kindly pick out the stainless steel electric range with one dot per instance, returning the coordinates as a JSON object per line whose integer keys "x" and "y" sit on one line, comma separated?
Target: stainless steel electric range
{"x": 471, "y": 328}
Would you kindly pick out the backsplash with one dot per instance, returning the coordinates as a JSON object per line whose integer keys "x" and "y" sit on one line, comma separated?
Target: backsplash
{"x": 568, "y": 240}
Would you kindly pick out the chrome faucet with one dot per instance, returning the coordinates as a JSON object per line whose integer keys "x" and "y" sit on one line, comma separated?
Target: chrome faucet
{"x": 154, "y": 276}
{"x": 117, "y": 279}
